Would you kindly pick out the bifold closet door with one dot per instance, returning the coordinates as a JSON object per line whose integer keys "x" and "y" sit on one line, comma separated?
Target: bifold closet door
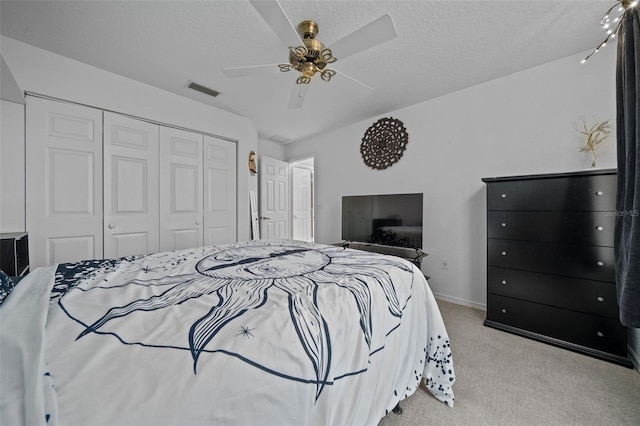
{"x": 63, "y": 181}
{"x": 219, "y": 191}
{"x": 181, "y": 189}
{"x": 131, "y": 186}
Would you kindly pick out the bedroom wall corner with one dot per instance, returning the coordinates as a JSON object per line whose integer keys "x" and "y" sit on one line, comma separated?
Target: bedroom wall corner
{"x": 12, "y": 139}
{"x": 12, "y": 197}
{"x": 271, "y": 149}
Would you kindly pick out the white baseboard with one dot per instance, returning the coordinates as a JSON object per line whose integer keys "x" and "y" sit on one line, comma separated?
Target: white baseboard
{"x": 459, "y": 301}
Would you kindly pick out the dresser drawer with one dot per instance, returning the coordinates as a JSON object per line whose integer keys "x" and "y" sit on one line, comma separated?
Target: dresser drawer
{"x": 600, "y": 333}
{"x": 591, "y": 228}
{"x": 579, "y": 261}
{"x": 591, "y": 297}
{"x": 575, "y": 193}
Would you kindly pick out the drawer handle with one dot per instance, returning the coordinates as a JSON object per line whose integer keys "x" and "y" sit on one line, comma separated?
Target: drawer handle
{"x": 600, "y": 263}
{"x": 503, "y": 224}
{"x": 503, "y": 310}
{"x": 504, "y": 253}
{"x": 599, "y": 228}
{"x": 504, "y": 195}
{"x": 599, "y": 193}
{"x": 600, "y": 334}
{"x": 600, "y": 299}
{"x": 504, "y": 282}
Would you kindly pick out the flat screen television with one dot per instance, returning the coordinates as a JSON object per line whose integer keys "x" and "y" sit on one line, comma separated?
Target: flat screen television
{"x": 390, "y": 219}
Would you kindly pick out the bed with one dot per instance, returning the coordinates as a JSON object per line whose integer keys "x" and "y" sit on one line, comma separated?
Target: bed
{"x": 264, "y": 332}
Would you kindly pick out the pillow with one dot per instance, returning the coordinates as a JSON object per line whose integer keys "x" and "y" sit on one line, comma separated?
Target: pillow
{"x": 6, "y": 286}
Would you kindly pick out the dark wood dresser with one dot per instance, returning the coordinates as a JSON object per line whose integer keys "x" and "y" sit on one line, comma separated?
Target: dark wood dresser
{"x": 550, "y": 261}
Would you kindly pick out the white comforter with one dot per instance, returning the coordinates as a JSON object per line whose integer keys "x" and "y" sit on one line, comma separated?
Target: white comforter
{"x": 267, "y": 332}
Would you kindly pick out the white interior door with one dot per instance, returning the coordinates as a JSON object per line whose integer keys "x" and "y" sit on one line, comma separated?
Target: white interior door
{"x": 302, "y": 212}
{"x": 274, "y": 199}
{"x": 181, "y": 189}
{"x": 63, "y": 182}
{"x": 220, "y": 211}
{"x": 131, "y": 186}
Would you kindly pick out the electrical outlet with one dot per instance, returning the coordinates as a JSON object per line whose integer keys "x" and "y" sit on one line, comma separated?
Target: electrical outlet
{"x": 444, "y": 264}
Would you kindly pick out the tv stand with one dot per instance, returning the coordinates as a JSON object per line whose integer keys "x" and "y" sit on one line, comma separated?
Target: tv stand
{"x": 415, "y": 256}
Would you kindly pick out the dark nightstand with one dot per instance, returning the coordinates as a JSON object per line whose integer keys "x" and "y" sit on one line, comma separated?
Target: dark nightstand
{"x": 14, "y": 254}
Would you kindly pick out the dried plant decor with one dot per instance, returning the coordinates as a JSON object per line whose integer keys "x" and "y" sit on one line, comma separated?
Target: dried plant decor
{"x": 595, "y": 135}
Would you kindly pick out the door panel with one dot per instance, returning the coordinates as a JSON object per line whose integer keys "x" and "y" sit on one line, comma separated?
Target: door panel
{"x": 302, "y": 217}
{"x": 181, "y": 189}
{"x": 130, "y": 243}
{"x": 274, "y": 199}
{"x": 219, "y": 191}
{"x": 67, "y": 249}
{"x": 131, "y": 186}
{"x": 63, "y": 182}
{"x": 67, "y": 193}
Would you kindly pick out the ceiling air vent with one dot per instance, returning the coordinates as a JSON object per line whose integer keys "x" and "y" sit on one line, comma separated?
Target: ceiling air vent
{"x": 279, "y": 139}
{"x": 203, "y": 89}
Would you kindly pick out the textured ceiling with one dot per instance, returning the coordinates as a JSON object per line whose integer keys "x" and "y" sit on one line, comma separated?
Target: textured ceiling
{"x": 442, "y": 46}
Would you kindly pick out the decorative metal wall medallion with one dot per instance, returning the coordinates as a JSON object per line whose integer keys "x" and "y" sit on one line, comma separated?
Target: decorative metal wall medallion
{"x": 384, "y": 143}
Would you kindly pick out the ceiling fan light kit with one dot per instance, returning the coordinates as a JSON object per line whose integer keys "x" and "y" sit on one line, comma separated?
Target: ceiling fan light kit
{"x": 311, "y": 57}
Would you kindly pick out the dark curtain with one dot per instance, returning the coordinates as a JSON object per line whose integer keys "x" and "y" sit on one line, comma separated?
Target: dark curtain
{"x": 627, "y": 228}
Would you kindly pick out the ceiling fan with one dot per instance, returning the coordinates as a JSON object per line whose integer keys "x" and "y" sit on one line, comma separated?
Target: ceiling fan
{"x": 307, "y": 55}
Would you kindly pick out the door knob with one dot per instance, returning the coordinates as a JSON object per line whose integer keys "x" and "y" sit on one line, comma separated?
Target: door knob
{"x": 197, "y": 222}
{"x": 112, "y": 225}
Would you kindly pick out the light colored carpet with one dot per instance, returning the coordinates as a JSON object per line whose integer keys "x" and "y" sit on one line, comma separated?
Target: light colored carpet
{"x": 504, "y": 379}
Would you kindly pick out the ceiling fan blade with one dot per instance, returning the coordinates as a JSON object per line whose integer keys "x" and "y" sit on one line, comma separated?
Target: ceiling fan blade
{"x": 374, "y": 33}
{"x": 252, "y": 70}
{"x": 362, "y": 88}
{"x": 274, "y": 16}
{"x": 298, "y": 93}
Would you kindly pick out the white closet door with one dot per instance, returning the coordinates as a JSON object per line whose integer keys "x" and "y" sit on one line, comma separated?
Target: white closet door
{"x": 131, "y": 187}
{"x": 63, "y": 182}
{"x": 181, "y": 189}
{"x": 219, "y": 191}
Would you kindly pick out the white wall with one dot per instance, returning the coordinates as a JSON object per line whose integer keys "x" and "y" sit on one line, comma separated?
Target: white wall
{"x": 12, "y": 214}
{"x": 46, "y": 73}
{"x": 271, "y": 149}
{"x": 519, "y": 124}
